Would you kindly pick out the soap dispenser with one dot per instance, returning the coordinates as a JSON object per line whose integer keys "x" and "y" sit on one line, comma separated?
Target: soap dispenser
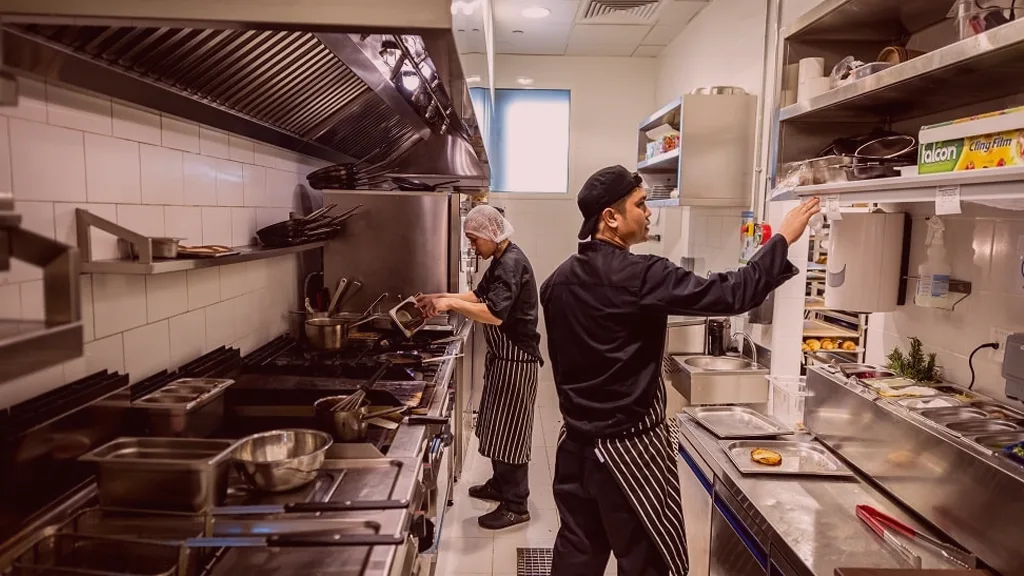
{"x": 933, "y": 274}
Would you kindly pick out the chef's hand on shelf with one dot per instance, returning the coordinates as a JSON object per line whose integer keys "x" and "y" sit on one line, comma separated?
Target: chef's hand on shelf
{"x": 795, "y": 222}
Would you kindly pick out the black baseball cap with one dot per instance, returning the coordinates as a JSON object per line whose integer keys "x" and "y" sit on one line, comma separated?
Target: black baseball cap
{"x": 604, "y": 188}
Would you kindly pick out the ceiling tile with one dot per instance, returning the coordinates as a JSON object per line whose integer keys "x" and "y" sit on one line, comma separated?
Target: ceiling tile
{"x": 606, "y": 49}
{"x": 661, "y": 36}
{"x": 511, "y": 11}
{"x": 531, "y": 48}
{"x": 648, "y": 51}
{"x": 680, "y": 12}
{"x": 596, "y": 34}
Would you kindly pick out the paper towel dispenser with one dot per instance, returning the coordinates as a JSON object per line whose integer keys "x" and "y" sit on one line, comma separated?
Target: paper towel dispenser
{"x": 1013, "y": 366}
{"x": 866, "y": 262}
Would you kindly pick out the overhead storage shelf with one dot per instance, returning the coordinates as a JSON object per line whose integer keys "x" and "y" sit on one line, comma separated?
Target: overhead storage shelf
{"x": 865, "y": 20}
{"x": 975, "y": 185}
{"x": 985, "y": 67}
{"x": 668, "y": 161}
{"x": 163, "y": 266}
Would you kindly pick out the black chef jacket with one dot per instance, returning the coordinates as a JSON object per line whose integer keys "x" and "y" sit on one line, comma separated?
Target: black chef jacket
{"x": 606, "y": 311}
{"x": 509, "y": 289}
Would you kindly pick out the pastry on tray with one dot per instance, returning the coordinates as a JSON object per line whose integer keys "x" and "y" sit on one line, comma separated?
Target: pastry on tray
{"x": 766, "y": 457}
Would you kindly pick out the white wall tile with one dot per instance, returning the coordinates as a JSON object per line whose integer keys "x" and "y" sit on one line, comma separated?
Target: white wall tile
{"x": 166, "y": 296}
{"x": 119, "y": 303}
{"x": 217, "y": 226}
{"x": 230, "y": 188}
{"x": 179, "y": 134}
{"x": 162, "y": 176}
{"x": 280, "y": 188}
{"x": 213, "y": 143}
{"x": 10, "y": 301}
{"x": 220, "y": 325}
{"x": 33, "y": 305}
{"x": 257, "y": 272}
{"x": 200, "y": 180}
{"x": 255, "y": 185}
{"x": 203, "y": 287}
{"x": 104, "y": 354}
{"x": 75, "y": 369}
{"x": 147, "y": 350}
{"x": 5, "y": 156}
{"x": 37, "y": 217}
{"x": 184, "y": 222}
{"x": 268, "y": 216}
{"x": 243, "y": 226}
{"x": 188, "y": 337}
{"x": 286, "y": 160}
{"x": 234, "y": 281}
{"x": 47, "y": 162}
{"x": 31, "y": 385}
{"x": 133, "y": 123}
{"x": 264, "y": 155}
{"x": 112, "y": 170}
{"x": 78, "y": 110}
{"x": 31, "y": 101}
{"x": 146, "y": 220}
{"x": 88, "y": 317}
{"x": 241, "y": 150}
{"x": 245, "y": 320}
{"x": 104, "y": 245}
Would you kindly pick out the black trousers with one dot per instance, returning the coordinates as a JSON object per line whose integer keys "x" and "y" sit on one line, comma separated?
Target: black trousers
{"x": 597, "y": 519}
{"x": 512, "y": 481}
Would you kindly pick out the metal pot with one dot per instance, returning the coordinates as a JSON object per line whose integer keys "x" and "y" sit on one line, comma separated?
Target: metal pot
{"x": 331, "y": 333}
{"x": 349, "y": 425}
{"x": 162, "y": 247}
{"x": 719, "y": 90}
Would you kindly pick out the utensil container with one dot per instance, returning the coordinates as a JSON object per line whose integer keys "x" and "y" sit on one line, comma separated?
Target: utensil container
{"x": 162, "y": 473}
{"x": 788, "y": 398}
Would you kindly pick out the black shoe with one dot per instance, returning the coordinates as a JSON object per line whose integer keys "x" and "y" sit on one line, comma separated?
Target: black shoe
{"x": 502, "y": 518}
{"x": 485, "y": 492}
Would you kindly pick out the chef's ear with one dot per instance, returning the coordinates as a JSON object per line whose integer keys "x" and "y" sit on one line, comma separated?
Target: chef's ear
{"x": 610, "y": 217}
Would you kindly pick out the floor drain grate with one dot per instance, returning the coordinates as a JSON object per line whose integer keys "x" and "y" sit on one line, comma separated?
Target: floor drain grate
{"x": 533, "y": 562}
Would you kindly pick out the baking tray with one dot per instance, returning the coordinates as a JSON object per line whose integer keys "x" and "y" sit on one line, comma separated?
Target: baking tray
{"x": 798, "y": 458}
{"x": 731, "y": 422}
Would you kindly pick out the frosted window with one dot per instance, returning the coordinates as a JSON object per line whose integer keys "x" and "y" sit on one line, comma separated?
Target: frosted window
{"x": 526, "y": 133}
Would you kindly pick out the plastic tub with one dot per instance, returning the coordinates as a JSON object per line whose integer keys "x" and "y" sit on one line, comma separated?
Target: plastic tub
{"x": 789, "y": 394}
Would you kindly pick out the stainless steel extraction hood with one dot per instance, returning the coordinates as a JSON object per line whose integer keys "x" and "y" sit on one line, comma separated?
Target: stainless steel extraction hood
{"x": 342, "y": 81}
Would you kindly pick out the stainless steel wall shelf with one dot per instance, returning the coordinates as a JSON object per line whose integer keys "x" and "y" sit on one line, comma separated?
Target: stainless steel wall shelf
{"x": 246, "y": 254}
{"x": 993, "y": 184}
{"x": 147, "y": 265}
{"x": 668, "y": 161}
{"x": 865, "y": 20}
{"x": 978, "y": 69}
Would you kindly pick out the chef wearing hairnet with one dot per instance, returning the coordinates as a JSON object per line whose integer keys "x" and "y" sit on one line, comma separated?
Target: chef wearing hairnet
{"x": 505, "y": 302}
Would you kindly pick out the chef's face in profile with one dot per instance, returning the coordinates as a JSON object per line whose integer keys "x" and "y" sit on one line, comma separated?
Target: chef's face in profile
{"x": 629, "y": 219}
{"x": 484, "y": 248}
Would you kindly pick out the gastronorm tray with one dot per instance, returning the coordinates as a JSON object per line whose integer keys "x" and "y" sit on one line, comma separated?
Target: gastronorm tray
{"x": 929, "y": 402}
{"x": 997, "y": 410}
{"x": 798, "y": 458}
{"x": 955, "y": 414}
{"x": 984, "y": 427}
{"x": 732, "y": 422}
{"x": 75, "y": 554}
{"x": 996, "y": 442}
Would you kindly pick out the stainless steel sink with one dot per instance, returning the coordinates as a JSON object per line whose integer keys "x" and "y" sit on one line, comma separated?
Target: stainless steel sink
{"x": 719, "y": 380}
{"x": 719, "y": 363}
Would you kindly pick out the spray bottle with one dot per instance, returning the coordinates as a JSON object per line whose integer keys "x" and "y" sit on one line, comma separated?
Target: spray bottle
{"x": 933, "y": 283}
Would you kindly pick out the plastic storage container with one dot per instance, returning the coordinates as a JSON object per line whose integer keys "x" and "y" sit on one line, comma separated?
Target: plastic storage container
{"x": 789, "y": 394}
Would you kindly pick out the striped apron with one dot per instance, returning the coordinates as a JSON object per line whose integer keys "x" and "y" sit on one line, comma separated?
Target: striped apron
{"x": 505, "y": 422}
{"x": 643, "y": 463}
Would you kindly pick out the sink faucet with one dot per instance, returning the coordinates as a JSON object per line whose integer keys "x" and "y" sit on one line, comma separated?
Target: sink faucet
{"x": 753, "y": 347}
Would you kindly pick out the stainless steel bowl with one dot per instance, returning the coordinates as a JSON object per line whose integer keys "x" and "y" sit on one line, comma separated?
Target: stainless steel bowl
{"x": 281, "y": 460}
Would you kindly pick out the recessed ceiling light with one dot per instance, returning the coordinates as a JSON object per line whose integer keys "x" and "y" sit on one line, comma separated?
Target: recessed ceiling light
{"x": 524, "y": 81}
{"x": 536, "y": 12}
{"x": 473, "y": 79}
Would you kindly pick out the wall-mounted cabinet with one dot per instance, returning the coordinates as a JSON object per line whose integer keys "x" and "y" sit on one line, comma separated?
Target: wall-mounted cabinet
{"x": 712, "y": 164}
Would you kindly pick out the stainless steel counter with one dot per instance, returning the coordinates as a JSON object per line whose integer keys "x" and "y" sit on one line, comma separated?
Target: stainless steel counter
{"x": 801, "y": 525}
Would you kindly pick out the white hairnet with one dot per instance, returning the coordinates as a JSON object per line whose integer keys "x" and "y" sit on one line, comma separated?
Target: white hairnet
{"x": 486, "y": 222}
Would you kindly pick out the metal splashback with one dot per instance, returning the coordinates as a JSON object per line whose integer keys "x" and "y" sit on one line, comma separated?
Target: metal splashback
{"x": 399, "y": 243}
{"x": 337, "y": 84}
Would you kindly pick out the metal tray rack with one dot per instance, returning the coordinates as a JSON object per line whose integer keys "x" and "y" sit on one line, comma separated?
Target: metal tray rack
{"x": 799, "y": 458}
{"x": 732, "y": 422}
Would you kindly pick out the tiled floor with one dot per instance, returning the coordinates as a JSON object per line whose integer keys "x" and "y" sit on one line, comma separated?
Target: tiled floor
{"x": 468, "y": 550}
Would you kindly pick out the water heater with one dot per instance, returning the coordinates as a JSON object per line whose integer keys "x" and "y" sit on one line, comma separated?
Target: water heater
{"x": 864, "y": 262}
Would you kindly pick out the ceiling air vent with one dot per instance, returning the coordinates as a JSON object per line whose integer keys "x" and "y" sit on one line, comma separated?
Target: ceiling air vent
{"x": 620, "y": 12}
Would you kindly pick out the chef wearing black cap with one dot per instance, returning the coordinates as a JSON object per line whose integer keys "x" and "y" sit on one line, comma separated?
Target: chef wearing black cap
{"x": 606, "y": 310}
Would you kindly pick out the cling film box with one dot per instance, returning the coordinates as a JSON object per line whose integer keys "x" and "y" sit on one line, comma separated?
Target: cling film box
{"x": 992, "y": 140}
{"x": 972, "y": 153}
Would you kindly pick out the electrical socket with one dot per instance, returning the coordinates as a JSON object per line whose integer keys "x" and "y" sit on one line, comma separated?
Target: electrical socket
{"x": 998, "y": 335}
